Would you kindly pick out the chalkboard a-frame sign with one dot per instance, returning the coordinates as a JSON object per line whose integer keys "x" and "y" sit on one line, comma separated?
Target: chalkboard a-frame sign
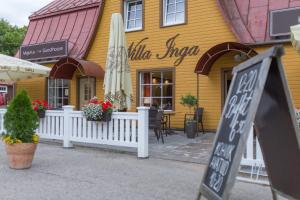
{"x": 258, "y": 94}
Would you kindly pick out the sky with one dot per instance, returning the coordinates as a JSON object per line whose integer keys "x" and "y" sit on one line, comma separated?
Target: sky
{"x": 16, "y": 12}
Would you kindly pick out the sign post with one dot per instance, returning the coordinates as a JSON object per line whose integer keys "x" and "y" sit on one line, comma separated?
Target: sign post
{"x": 258, "y": 94}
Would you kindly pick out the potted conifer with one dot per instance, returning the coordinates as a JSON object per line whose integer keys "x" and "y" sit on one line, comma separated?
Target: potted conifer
{"x": 190, "y": 101}
{"x": 20, "y": 123}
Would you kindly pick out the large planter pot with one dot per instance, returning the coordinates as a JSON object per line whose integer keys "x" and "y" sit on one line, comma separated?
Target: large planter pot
{"x": 106, "y": 117}
{"x": 41, "y": 113}
{"x": 20, "y": 156}
{"x": 191, "y": 129}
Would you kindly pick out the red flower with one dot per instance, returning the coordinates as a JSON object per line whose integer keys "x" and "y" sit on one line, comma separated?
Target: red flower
{"x": 35, "y": 108}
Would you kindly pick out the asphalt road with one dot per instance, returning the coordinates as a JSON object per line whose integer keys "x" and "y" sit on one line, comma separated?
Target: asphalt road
{"x": 94, "y": 174}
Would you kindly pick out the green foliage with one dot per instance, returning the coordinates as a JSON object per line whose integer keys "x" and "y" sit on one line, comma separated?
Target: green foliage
{"x": 20, "y": 120}
{"x": 11, "y": 37}
{"x": 189, "y": 100}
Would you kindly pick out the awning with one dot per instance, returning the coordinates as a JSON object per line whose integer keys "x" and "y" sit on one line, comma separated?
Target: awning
{"x": 213, "y": 54}
{"x": 65, "y": 68}
{"x": 73, "y": 20}
{"x": 295, "y": 36}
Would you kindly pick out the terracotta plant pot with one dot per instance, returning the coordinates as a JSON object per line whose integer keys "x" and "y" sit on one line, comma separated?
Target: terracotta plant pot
{"x": 20, "y": 156}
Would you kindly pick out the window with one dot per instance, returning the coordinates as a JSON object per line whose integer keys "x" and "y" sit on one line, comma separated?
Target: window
{"x": 133, "y": 15}
{"x": 173, "y": 12}
{"x": 156, "y": 88}
{"x": 3, "y": 89}
{"x": 58, "y": 93}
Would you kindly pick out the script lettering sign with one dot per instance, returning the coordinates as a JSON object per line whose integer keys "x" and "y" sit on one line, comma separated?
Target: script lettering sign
{"x": 232, "y": 129}
{"x": 258, "y": 95}
{"x": 139, "y": 51}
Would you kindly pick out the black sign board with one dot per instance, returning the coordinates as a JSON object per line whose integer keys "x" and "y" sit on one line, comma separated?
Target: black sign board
{"x": 50, "y": 50}
{"x": 258, "y": 94}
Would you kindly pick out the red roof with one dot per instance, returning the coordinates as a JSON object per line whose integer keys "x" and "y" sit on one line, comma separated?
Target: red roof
{"x": 72, "y": 20}
{"x": 249, "y": 18}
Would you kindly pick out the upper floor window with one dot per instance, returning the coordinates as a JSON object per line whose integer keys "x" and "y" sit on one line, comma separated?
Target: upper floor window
{"x": 173, "y": 12}
{"x": 133, "y": 15}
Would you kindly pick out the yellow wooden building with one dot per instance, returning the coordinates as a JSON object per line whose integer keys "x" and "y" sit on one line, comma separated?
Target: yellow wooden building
{"x": 170, "y": 42}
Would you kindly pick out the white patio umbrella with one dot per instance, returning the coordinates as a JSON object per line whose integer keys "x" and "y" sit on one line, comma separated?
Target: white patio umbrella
{"x": 295, "y": 36}
{"x": 117, "y": 80}
{"x": 15, "y": 69}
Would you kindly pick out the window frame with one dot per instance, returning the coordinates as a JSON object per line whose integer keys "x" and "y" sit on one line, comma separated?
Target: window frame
{"x": 124, "y": 8}
{"x": 163, "y": 14}
{"x": 4, "y": 89}
{"x": 152, "y": 70}
{"x": 54, "y": 107}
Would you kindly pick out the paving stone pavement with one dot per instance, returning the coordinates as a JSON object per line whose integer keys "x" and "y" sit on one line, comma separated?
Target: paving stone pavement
{"x": 93, "y": 174}
{"x": 178, "y": 147}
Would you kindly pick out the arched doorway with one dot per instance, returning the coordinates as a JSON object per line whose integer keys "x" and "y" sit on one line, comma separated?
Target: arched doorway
{"x": 208, "y": 59}
{"x": 82, "y": 72}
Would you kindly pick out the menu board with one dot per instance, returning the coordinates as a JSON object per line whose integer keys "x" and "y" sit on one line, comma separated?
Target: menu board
{"x": 232, "y": 129}
{"x": 258, "y": 94}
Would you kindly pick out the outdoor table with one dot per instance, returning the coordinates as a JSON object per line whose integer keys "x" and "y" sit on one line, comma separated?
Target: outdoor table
{"x": 168, "y": 114}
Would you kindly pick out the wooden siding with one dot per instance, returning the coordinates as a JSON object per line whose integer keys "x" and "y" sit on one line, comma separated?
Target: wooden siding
{"x": 206, "y": 27}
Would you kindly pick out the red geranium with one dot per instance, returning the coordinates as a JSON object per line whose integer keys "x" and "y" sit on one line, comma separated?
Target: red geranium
{"x": 107, "y": 106}
{"x": 39, "y": 105}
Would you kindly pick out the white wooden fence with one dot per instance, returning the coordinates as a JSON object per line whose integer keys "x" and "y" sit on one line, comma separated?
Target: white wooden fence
{"x": 126, "y": 129}
{"x": 252, "y": 161}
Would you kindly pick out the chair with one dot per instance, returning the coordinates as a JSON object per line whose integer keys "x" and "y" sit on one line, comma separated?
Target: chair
{"x": 198, "y": 116}
{"x": 155, "y": 123}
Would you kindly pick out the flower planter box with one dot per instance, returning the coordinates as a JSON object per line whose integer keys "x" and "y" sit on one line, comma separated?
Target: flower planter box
{"x": 107, "y": 116}
{"x": 41, "y": 113}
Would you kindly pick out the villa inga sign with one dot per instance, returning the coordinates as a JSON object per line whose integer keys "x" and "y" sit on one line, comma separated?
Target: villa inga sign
{"x": 139, "y": 51}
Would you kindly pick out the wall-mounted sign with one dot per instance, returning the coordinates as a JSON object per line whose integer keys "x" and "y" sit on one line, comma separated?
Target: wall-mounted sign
{"x": 49, "y": 50}
{"x": 258, "y": 94}
{"x": 139, "y": 51}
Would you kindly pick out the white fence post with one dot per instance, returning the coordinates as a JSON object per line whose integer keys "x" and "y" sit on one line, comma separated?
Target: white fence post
{"x": 143, "y": 132}
{"x": 67, "y": 126}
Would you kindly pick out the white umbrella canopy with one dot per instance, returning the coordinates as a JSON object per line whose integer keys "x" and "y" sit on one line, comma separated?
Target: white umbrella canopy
{"x": 15, "y": 69}
{"x": 117, "y": 80}
{"x": 295, "y": 36}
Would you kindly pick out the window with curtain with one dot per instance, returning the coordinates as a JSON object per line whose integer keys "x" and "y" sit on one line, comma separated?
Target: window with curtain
{"x": 133, "y": 15}
{"x": 156, "y": 88}
{"x": 173, "y": 12}
{"x": 58, "y": 93}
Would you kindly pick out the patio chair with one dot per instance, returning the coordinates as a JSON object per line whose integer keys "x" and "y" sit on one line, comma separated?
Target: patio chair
{"x": 198, "y": 116}
{"x": 156, "y": 123}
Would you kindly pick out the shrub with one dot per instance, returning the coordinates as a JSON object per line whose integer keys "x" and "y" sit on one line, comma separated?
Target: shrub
{"x": 189, "y": 100}
{"x": 20, "y": 121}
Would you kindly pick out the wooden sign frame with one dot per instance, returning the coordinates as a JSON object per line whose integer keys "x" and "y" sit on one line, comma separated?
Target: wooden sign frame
{"x": 271, "y": 101}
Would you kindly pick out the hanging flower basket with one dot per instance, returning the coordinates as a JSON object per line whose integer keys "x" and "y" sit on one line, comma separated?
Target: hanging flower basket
{"x": 41, "y": 113}
{"x": 107, "y": 116}
{"x": 97, "y": 110}
{"x": 93, "y": 110}
{"x": 107, "y": 110}
{"x": 40, "y": 107}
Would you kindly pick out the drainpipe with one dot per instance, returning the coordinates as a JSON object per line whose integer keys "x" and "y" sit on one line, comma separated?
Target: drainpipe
{"x": 197, "y": 90}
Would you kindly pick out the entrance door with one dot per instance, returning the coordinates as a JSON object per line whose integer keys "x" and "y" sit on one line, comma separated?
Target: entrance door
{"x": 86, "y": 86}
{"x": 226, "y": 81}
